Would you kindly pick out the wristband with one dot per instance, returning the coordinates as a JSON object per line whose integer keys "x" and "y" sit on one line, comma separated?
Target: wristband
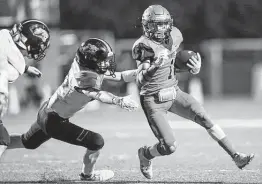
{"x": 26, "y": 68}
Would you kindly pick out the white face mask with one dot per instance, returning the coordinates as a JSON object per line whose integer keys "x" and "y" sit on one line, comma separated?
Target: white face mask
{"x": 161, "y": 30}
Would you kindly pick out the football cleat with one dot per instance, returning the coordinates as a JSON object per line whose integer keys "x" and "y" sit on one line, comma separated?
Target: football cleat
{"x": 101, "y": 175}
{"x": 145, "y": 165}
{"x": 242, "y": 159}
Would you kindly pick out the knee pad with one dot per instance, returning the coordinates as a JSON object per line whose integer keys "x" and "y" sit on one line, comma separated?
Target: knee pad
{"x": 167, "y": 148}
{"x": 29, "y": 143}
{"x": 4, "y": 135}
{"x": 93, "y": 141}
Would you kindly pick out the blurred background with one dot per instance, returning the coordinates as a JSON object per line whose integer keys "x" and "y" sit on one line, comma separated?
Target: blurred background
{"x": 227, "y": 33}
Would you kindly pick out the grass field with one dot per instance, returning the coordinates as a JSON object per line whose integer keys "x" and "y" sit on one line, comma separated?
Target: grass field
{"x": 198, "y": 158}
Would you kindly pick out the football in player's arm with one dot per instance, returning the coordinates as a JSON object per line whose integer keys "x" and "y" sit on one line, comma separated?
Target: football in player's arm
{"x": 30, "y": 39}
{"x": 94, "y": 59}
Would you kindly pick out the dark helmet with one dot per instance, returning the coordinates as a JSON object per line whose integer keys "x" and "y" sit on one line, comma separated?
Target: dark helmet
{"x": 33, "y": 36}
{"x": 96, "y": 54}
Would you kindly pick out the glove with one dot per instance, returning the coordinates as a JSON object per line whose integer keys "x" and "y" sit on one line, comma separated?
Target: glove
{"x": 194, "y": 64}
{"x": 126, "y": 103}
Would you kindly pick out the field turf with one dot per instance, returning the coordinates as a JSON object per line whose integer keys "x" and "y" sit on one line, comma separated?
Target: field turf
{"x": 198, "y": 158}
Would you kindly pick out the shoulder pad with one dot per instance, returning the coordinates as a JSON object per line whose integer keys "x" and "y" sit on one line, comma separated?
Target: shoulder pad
{"x": 176, "y": 35}
{"x": 142, "y": 52}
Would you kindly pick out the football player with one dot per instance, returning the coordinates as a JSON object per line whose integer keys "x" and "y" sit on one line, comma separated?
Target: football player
{"x": 94, "y": 60}
{"x": 30, "y": 39}
{"x": 155, "y": 53}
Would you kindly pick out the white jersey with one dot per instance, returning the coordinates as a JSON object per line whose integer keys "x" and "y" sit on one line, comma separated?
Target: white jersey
{"x": 11, "y": 59}
{"x": 66, "y": 101}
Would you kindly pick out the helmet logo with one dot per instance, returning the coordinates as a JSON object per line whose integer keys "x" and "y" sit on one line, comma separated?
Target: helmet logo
{"x": 89, "y": 47}
{"x": 39, "y": 32}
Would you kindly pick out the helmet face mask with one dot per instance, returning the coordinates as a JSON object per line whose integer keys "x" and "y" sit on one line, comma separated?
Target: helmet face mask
{"x": 107, "y": 65}
{"x": 96, "y": 54}
{"x": 37, "y": 51}
{"x": 157, "y": 23}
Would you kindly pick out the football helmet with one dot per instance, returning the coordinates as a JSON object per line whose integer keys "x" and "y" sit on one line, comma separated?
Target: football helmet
{"x": 33, "y": 36}
{"x": 157, "y": 23}
{"x": 97, "y": 55}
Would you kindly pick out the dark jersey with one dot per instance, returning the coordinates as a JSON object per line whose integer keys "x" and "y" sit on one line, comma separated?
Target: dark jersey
{"x": 145, "y": 50}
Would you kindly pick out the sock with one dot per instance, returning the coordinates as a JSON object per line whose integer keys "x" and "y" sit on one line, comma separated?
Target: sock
{"x": 227, "y": 146}
{"x": 89, "y": 161}
{"x": 147, "y": 154}
{"x": 152, "y": 152}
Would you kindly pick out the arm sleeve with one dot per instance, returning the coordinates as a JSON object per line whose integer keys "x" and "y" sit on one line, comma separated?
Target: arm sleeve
{"x": 142, "y": 52}
{"x": 144, "y": 55}
{"x": 129, "y": 75}
{"x": 102, "y": 96}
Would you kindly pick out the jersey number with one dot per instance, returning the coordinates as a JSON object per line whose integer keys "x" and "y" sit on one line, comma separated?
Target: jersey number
{"x": 171, "y": 68}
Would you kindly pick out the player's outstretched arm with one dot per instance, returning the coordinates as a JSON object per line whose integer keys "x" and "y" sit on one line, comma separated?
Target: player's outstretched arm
{"x": 126, "y": 76}
{"x": 107, "y": 97}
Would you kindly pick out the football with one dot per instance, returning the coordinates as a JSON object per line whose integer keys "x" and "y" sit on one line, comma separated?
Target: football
{"x": 182, "y": 57}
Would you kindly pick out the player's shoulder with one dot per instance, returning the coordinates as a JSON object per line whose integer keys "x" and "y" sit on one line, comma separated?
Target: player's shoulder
{"x": 4, "y": 37}
{"x": 4, "y": 32}
{"x": 142, "y": 49}
{"x": 141, "y": 41}
{"x": 84, "y": 78}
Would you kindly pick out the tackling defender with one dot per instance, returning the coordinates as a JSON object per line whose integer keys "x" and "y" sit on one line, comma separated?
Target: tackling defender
{"x": 155, "y": 53}
{"x": 94, "y": 59}
{"x": 30, "y": 39}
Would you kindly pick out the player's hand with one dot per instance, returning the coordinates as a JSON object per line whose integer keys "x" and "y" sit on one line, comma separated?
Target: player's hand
{"x": 3, "y": 104}
{"x": 32, "y": 71}
{"x": 195, "y": 64}
{"x": 161, "y": 59}
{"x": 127, "y": 103}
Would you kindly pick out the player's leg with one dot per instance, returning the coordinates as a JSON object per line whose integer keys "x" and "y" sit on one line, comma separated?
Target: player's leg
{"x": 32, "y": 139}
{"x": 156, "y": 115}
{"x": 4, "y": 135}
{"x": 65, "y": 131}
{"x": 35, "y": 136}
{"x": 4, "y": 138}
{"x": 186, "y": 106}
